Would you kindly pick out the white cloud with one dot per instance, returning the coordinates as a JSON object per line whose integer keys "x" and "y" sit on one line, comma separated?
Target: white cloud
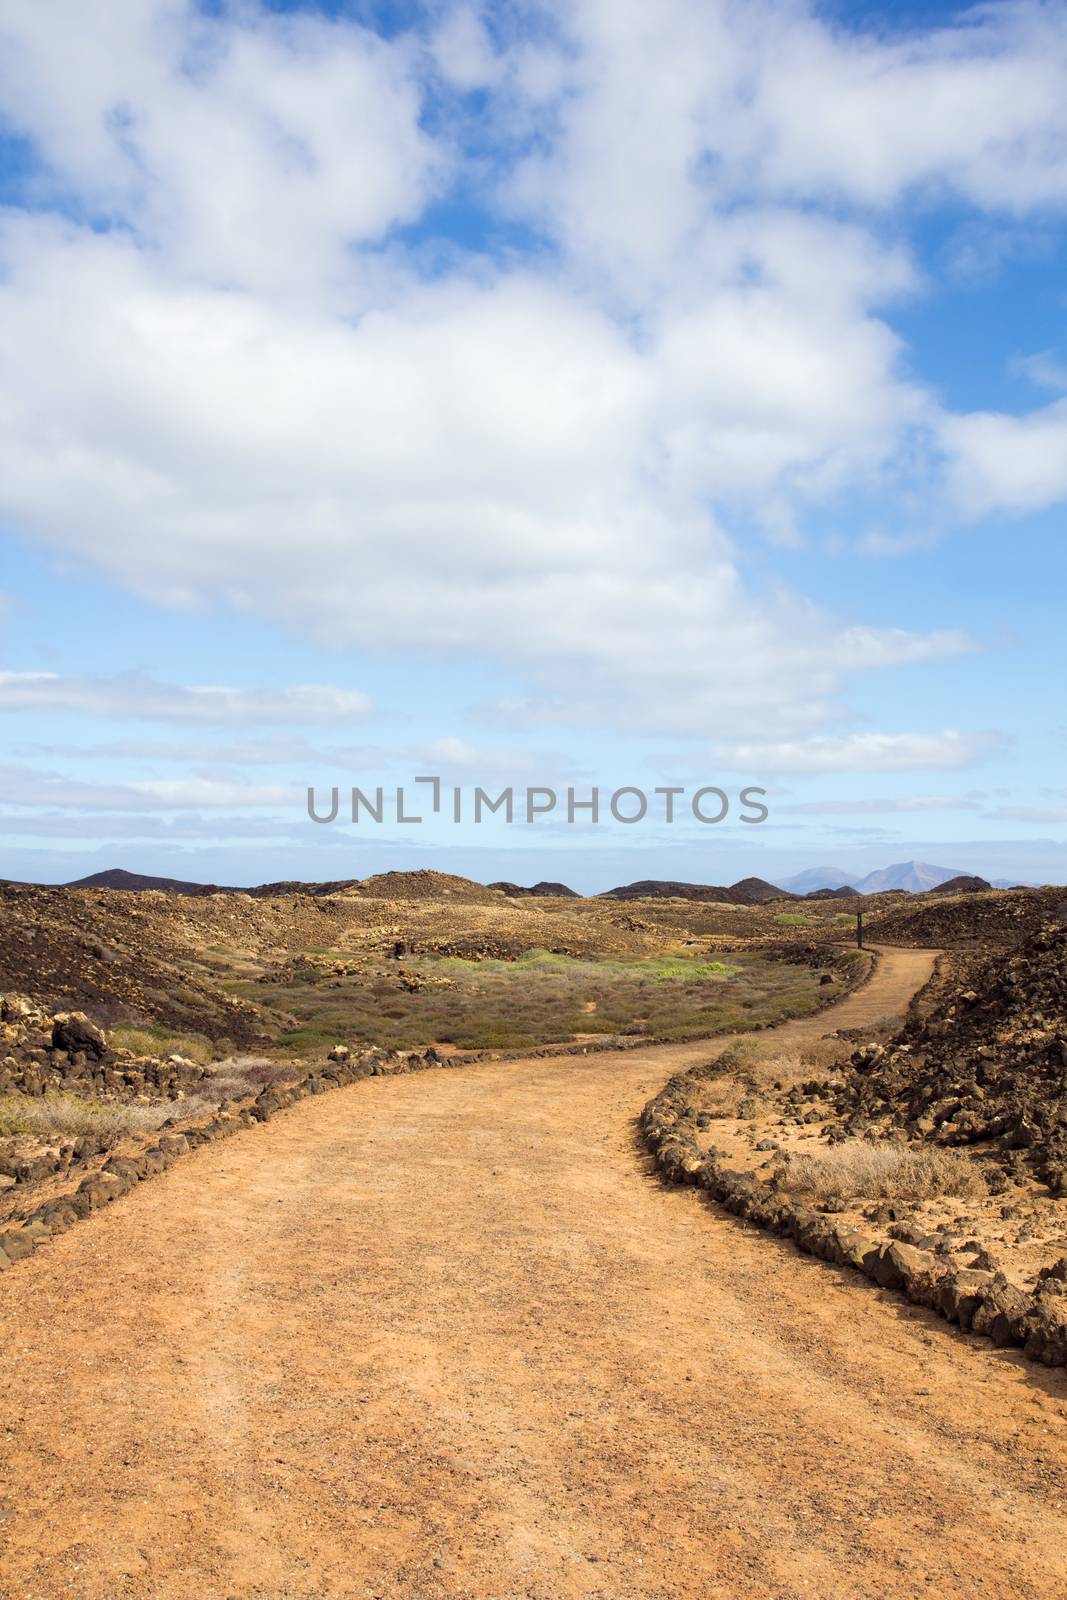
{"x": 250, "y": 149}
{"x": 977, "y": 108}
{"x": 122, "y": 826}
{"x": 268, "y": 751}
{"x": 132, "y": 695}
{"x": 1007, "y": 463}
{"x": 237, "y": 386}
{"x": 668, "y": 112}
{"x": 454, "y": 760}
{"x": 491, "y": 464}
{"x": 1043, "y": 368}
{"x": 24, "y": 786}
{"x": 1030, "y": 813}
{"x": 866, "y": 752}
{"x": 463, "y": 51}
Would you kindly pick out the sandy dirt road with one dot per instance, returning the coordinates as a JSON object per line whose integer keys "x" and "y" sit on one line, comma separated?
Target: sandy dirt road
{"x": 446, "y": 1336}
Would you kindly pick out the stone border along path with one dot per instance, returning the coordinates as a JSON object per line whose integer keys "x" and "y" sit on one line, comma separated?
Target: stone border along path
{"x": 122, "y": 1172}
{"x": 144, "y": 1157}
{"x": 455, "y": 1339}
{"x": 979, "y": 1302}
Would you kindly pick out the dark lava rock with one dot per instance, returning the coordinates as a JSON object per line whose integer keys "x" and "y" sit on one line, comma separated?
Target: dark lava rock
{"x": 988, "y": 1068}
{"x": 72, "y": 1031}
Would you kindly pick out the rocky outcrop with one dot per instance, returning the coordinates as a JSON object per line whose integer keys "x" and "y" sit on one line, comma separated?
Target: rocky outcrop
{"x": 73, "y": 1032}
{"x": 995, "y": 918}
{"x": 42, "y": 1050}
{"x": 987, "y": 1067}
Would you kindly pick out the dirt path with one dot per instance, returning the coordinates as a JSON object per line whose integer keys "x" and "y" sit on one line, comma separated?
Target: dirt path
{"x": 445, "y": 1336}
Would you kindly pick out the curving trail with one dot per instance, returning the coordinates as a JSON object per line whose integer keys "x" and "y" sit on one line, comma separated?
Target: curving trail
{"x": 445, "y": 1336}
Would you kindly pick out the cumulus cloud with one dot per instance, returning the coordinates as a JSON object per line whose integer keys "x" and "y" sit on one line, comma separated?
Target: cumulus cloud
{"x": 866, "y": 752}
{"x": 252, "y": 148}
{"x": 669, "y": 111}
{"x": 133, "y": 695}
{"x": 228, "y": 373}
{"x": 976, "y": 108}
{"x": 999, "y": 462}
{"x": 491, "y": 466}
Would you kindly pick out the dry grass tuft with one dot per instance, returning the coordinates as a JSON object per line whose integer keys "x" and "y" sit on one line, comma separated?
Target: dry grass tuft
{"x": 755, "y": 1067}
{"x": 158, "y": 1042}
{"x": 68, "y": 1116}
{"x": 721, "y": 1097}
{"x": 859, "y": 1170}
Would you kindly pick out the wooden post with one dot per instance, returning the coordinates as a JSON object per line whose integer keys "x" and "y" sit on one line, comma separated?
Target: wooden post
{"x": 859, "y": 930}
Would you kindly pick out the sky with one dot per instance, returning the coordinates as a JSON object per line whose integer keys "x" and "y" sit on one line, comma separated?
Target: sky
{"x": 585, "y": 395}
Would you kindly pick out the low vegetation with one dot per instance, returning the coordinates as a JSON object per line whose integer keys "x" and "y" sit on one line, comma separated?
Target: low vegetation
{"x": 541, "y": 998}
{"x": 69, "y": 1116}
{"x": 149, "y": 1040}
{"x": 751, "y": 1072}
{"x": 859, "y": 1170}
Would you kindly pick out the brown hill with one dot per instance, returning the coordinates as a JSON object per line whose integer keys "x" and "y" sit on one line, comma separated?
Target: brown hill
{"x": 136, "y": 882}
{"x": 119, "y": 956}
{"x": 516, "y": 891}
{"x": 756, "y": 892}
{"x": 420, "y": 885}
{"x": 746, "y": 892}
{"x": 996, "y": 917}
{"x": 965, "y": 883}
{"x": 424, "y": 885}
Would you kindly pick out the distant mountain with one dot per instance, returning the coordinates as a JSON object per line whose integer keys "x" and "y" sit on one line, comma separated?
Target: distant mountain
{"x": 666, "y": 889}
{"x": 420, "y": 885}
{"x": 914, "y": 876}
{"x": 747, "y": 892}
{"x": 517, "y": 891}
{"x": 119, "y": 878}
{"x": 754, "y": 891}
{"x": 819, "y": 878}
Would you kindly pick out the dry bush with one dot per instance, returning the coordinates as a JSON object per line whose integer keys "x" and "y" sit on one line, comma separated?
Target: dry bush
{"x": 68, "y": 1116}
{"x": 824, "y": 1055}
{"x": 261, "y": 1073}
{"x": 860, "y": 1170}
{"x": 740, "y": 1057}
{"x": 719, "y": 1097}
{"x": 212, "y": 1091}
{"x": 235, "y": 1079}
{"x": 761, "y": 1063}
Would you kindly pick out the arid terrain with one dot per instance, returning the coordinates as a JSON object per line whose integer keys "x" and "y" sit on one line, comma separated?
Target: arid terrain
{"x": 447, "y": 1331}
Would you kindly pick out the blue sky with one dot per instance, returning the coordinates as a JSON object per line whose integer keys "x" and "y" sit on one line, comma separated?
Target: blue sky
{"x": 534, "y": 394}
